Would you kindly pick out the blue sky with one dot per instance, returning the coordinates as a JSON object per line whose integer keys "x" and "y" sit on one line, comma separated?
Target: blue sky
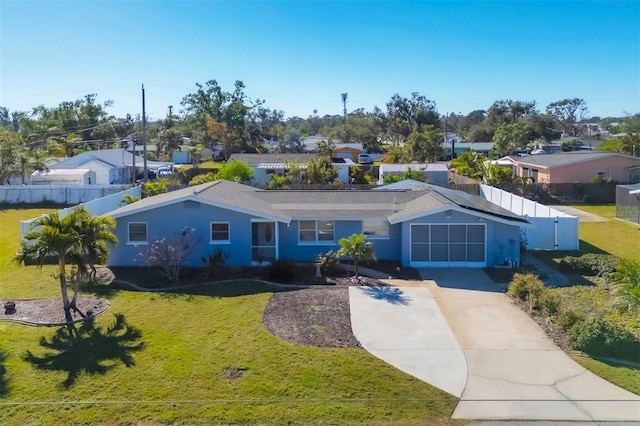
{"x": 301, "y": 55}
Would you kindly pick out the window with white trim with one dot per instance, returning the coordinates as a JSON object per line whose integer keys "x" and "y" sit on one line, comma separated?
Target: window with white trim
{"x": 316, "y": 231}
{"x": 137, "y": 232}
{"x": 220, "y": 232}
{"x": 375, "y": 227}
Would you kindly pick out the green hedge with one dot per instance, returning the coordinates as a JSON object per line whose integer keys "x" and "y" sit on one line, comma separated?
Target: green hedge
{"x": 590, "y": 264}
{"x": 598, "y": 337}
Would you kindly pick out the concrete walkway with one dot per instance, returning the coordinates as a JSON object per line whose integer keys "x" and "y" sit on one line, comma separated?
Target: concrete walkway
{"x": 500, "y": 361}
{"x": 552, "y": 278}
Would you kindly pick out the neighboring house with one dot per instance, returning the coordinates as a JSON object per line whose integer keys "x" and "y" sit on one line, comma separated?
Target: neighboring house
{"x": 577, "y": 166}
{"x": 152, "y": 150}
{"x": 425, "y": 227}
{"x": 183, "y": 156}
{"x": 265, "y": 165}
{"x": 310, "y": 143}
{"x": 435, "y": 173}
{"x": 111, "y": 166}
{"x": 461, "y": 147}
{"x": 63, "y": 177}
{"x": 350, "y": 151}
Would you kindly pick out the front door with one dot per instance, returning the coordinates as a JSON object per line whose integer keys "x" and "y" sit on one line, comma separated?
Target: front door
{"x": 263, "y": 241}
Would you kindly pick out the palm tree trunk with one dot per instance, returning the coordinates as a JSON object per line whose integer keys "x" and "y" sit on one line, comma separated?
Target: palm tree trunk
{"x": 63, "y": 288}
{"x": 76, "y": 288}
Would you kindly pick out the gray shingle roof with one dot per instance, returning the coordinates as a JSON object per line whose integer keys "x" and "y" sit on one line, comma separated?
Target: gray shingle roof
{"x": 550, "y": 161}
{"x": 287, "y": 205}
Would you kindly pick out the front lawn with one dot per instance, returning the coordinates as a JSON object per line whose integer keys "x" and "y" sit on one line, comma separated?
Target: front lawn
{"x": 191, "y": 358}
{"x": 590, "y": 297}
{"x": 614, "y": 236}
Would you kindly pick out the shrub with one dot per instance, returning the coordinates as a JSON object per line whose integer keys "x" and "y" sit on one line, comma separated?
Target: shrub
{"x": 214, "y": 263}
{"x": 282, "y": 270}
{"x": 528, "y": 288}
{"x": 150, "y": 189}
{"x": 590, "y": 264}
{"x": 568, "y": 319}
{"x": 549, "y": 302}
{"x": 328, "y": 262}
{"x": 169, "y": 256}
{"x": 599, "y": 337}
{"x": 626, "y": 289}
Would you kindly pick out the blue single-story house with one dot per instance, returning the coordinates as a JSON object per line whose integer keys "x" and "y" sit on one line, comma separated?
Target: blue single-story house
{"x": 420, "y": 226}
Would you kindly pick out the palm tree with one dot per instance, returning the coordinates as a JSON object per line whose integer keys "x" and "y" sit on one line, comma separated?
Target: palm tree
{"x": 631, "y": 144}
{"x": 356, "y": 247}
{"x": 468, "y": 164}
{"x": 278, "y": 182}
{"x": 626, "y": 289}
{"x": 68, "y": 239}
{"x": 128, "y": 199}
{"x": 95, "y": 233}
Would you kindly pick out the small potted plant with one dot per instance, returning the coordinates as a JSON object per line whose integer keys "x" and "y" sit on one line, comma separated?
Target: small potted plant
{"x": 9, "y": 306}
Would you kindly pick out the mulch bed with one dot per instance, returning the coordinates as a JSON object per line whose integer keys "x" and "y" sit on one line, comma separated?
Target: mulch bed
{"x": 317, "y": 317}
{"x": 49, "y": 312}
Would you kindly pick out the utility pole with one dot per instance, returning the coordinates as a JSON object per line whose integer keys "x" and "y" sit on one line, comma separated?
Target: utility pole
{"x": 144, "y": 139}
{"x": 170, "y": 111}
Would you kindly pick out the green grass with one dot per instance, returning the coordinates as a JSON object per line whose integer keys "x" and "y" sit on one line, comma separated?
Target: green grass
{"x": 205, "y": 165}
{"x": 165, "y": 362}
{"x": 614, "y": 236}
{"x": 625, "y": 376}
{"x": 592, "y": 297}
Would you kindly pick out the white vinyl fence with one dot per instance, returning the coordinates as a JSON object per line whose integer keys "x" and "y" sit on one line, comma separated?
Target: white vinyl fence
{"x": 553, "y": 229}
{"x": 96, "y": 207}
{"x": 59, "y": 194}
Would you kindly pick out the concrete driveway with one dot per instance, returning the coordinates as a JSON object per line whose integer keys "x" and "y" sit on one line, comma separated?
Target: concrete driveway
{"x": 512, "y": 370}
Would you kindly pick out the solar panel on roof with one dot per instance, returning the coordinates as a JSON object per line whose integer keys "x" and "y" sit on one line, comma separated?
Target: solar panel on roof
{"x": 474, "y": 202}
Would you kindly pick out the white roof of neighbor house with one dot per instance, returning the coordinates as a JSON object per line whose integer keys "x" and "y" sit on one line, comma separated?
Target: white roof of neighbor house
{"x": 476, "y": 146}
{"x": 60, "y": 172}
{"x": 114, "y": 157}
{"x": 427, "y": 167}
{"x": 278, "y": 166}
{"x": 287, "y": 205}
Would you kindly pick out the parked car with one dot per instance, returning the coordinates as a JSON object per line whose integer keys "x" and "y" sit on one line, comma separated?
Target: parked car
{"x": 364, "y": 159}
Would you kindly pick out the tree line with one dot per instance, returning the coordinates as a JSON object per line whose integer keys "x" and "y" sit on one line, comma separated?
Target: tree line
{"x": 408, "y": 128}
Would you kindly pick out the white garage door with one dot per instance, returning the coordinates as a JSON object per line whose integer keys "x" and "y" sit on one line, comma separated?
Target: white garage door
{"x": 448, "y": 245}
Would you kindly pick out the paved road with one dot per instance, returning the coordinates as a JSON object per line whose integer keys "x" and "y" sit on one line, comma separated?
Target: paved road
{"x": 509, "y": 368}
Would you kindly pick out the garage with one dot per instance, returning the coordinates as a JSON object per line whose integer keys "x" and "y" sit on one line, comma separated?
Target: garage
{"x": 448, "y": 245}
